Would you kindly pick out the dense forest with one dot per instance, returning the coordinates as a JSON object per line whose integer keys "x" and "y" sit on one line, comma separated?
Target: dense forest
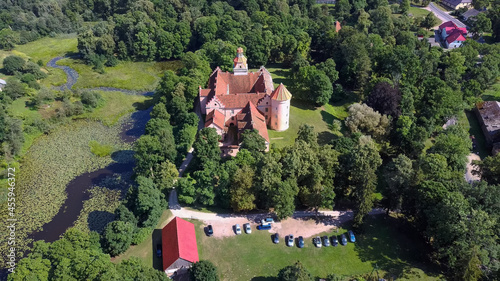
{"x": 404, "y": 90}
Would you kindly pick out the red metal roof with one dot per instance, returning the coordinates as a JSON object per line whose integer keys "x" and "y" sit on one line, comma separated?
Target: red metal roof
{"x": 448, "y": 24}
{"x": 456, "y": 35}
{"x": 178, "y": 241}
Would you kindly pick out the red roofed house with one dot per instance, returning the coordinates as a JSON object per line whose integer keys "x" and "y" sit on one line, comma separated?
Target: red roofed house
{"x": 179, "y": 249}
{"x": 243, "y": 100}
{"x": 452, "y": 35}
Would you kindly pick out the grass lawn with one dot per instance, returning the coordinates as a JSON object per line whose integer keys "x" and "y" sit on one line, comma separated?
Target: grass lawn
{"x": 255, "y": 257}
{"x": 141, "y": 76}
{"x": 320, "y": 118}
{"x": 493, "y": 93}
{"x": 116, "y": 105}
{"x": 301, "y": 112}
{"x": 49, "y": 47}
{"x": 146, "y": 250}
{"x": 418, "y": 12}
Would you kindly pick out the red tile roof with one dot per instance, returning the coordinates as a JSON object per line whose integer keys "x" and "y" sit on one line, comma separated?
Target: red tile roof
{"x": 215, "y": 117}
{"x": 240, "y": 100}
{"x": 337, "y": 26}
{"x": 456, "y": 35}
{"x": 250, "y": 118}
{"x": 238, "y": 84}
{"x": 178, "y": 241}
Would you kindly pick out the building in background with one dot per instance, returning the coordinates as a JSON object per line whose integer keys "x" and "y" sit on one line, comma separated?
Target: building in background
{"x": 179, "y": 249}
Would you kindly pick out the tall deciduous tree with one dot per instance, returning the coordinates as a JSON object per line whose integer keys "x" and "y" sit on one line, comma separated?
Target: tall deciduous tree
{"x": 203, "y": 271}
{"x": 365, "y": 162}
{"x": 385, "y": 99}
{"x": 296, "y": 272}
{"x": 242, "y": 196}
{"x": 118, "y": 237}
{"x": 206, "y": 147}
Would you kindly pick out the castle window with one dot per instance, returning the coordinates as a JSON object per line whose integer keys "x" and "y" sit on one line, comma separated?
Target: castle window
{"x": 267, "y": 109}
{"x": 232, "y": 118}
{"x": 267, "y": 102}
{"x": 276, "y": 108}
{"x": 276, "y": 123}
{"x": 276, "y": 115}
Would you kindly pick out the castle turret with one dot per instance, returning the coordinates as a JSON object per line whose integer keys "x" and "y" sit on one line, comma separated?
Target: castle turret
{"x": 280, "y": 108}
{"x": 240, "y": 63}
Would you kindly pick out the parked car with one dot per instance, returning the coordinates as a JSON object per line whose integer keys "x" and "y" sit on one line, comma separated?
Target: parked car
{"x": 210, "y": 230}
{"x": 300, "y": 243}
{"x": 317, "y": 242}
{"x": 237, "y": 229}
{"x": 247, "y": 228}
{"x": 326, "y": 241}
{"x": 343, "y": 240}
{"x": 276, "y": 238}
{"x": 289, "y": 242}
{"x": 264, "y": 227}
{"x": 158, "y": 250}
{"x": 351, "y": 236}
{"x": 335, "y": 240}
{"x": 267, "y": 221}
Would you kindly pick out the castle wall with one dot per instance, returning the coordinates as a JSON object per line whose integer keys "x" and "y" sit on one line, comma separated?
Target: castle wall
{"x": 280, "y": 115}
{"x": 203, "y": 105}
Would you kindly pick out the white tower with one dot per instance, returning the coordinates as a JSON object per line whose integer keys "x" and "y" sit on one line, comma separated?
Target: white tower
{"x": 240, "y": 63}
{"x": 280, "y": 108}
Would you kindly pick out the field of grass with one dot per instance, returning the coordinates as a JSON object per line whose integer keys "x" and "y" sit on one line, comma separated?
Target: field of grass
{"x": 116, "y": 105}
{"x": 141, "y": 76}
{"x": 145, "y": 251}
{"x": 418, "y": 12}
{"x": 255, "y": 257}
{"x": 493, "y": 93}
{"x": 47, "y": 48}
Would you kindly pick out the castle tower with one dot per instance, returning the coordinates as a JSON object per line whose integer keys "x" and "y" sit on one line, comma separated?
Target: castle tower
{"x": 280, "y": 108}
{"x": 240, "y": 63}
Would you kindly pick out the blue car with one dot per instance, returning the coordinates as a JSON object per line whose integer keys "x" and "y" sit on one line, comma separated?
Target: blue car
{"x": 264, "y": 227}
{"x": 351, "y": 236}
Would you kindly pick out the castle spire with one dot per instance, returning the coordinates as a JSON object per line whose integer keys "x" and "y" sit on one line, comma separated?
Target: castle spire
{"x": 240, "y": 63}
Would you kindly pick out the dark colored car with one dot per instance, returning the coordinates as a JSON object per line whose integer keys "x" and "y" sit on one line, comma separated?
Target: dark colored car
{"x": 158, "y": 250}
{"x": 276, "y": 238}
{"x": 210, "y": 230}
{"x": 300, "y": 242}
{"x": 343, "y": 240}
{"x": 351, "y": 236}
{"x": 264, "y": 227}
{"x": 326, "y": 241}
{"x": 335, "y": 240}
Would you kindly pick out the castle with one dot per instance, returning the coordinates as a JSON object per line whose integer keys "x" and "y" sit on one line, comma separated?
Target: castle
{"x": 243, "y": 100}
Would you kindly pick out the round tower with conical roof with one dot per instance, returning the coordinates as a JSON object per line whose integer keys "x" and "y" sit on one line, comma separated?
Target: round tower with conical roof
{"x": 280, "y": 108}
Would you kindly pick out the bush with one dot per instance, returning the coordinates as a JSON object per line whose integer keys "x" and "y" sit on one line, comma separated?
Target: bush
{"x": 140, "y": 235}
{"x": 34, "y": 85}
{"x": 33, "y": 68}
{"x": 90, "y": 99}
{"x": 12, "y": 64}
{"x": 117, "y": 237}
{"x": 100, "y": 150}
{"x": 203, "y": 271}
{"x": 28, "y": 77}
{"x": 112, "y": 61}
{"x": 15, "y": 89}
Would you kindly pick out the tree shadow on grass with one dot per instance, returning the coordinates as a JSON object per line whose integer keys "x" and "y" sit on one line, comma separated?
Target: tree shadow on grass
{"x": 262, "y": 278}
{"x": 302, "y": 104}
{"x": 156, "y": 239}
{"x": 97, "y": 220}
{"x": 386, "y": 245}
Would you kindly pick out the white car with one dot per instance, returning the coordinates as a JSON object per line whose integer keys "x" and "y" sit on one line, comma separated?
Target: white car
{"x": 266, "y": 221}
{"x": 317, "y": 242}
{"x": 247, "y": 228}
{"x": 237, "y": 229}
{"x": 289, "y": 242}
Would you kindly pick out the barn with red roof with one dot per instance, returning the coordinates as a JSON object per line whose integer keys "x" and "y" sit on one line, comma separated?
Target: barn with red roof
{"x": 179, "y": 249}
{"x": 242, "y": 100}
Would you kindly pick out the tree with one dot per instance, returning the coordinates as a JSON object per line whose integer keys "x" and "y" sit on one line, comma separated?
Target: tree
{"x": 148, "y": 201}
{"x": 284, "y": 196}
{"x": 404, "y": 7}
{"x": 399, "y": 176}
{"x": 296, "y": 272}
{"x": 364, "y": 119}
{"x": 166, "y": 175}
{"x": 481, "y": 24}
{"x": 329, "y": 68}
{"x": 454, "y": 144}
{"x": 365, "y": 161}
{"x": 203, "y": 271}
{"x": 385, "y": 99}
{"x": 134, "y": 269}
{"x": 306, "y": 133}
{"x": 122, "y": 213}
{"x": 15, "y": 89}
{"x": 13, "y": 64}
{"x": 342, "y": 10}
{"x": 489, "y": 169}
{"x": 242, "y": 197}
{"x": 429, "y": 21}
{"x": 382, "y": 21}
{"x": 321, "y": 88}
{"x": 206, "y": 147}
{"x": 31, "y": 269}
{"x": 252, "y": 141}
{"x": 186, "y": 190}
{"x": 118, "y": 237}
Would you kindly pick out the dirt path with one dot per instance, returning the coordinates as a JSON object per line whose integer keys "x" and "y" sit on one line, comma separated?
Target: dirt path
{"x": 469, "y": 177}
{"x": 302, "y": 223}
